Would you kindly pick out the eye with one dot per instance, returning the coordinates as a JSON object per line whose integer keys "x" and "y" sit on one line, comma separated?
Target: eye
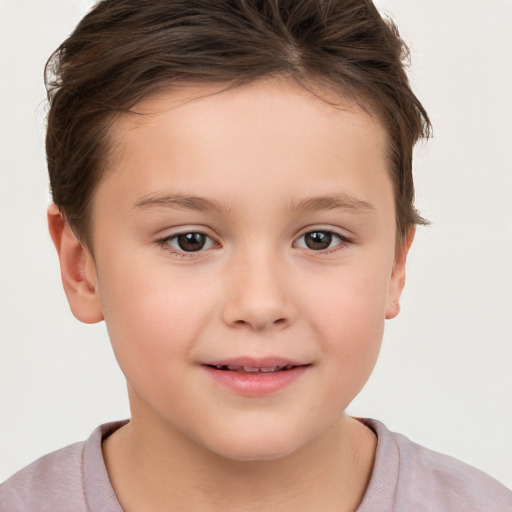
{"x": 189, "y": 242}
{"x": 319, "y": 240}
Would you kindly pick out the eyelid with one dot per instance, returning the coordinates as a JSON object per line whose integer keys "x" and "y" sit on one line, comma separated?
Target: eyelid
{"x": 344, "y": 240}
{"x": 163, "y": 241}
{"x": 343, "y": 233}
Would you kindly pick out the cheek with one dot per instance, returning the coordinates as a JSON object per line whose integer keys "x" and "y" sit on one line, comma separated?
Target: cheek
{"x": 153, "y": 318}
{"x": 351, "y": 299}
{"x": 348, "y": 317}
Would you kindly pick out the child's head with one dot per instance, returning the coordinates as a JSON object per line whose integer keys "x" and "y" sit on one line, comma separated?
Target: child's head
{"x": 126, "y": 50}
{"x": 240, "y": 173}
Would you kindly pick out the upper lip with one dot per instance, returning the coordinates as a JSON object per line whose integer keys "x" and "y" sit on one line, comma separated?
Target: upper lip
{"x": 259, "y": 363}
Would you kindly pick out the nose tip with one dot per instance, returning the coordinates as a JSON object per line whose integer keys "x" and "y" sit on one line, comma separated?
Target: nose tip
{"x": 260, "y": 300}
{"x": 260, "y": 320}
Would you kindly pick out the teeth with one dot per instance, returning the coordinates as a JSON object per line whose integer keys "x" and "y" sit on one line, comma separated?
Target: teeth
{"x": 251, "y": 369}
{"x": 269, "y": 370}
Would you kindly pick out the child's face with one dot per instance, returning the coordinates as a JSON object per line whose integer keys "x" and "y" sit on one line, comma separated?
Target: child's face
{"x": 292, "y": 263}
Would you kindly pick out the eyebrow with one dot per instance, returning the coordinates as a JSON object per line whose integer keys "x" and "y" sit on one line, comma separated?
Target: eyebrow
{"x": 179, "y": 201}
{"x": 332, "y": 202}
{"x": 310, "y": 204}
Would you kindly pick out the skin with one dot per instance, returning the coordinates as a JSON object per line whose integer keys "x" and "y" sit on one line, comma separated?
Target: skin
{"x": 258, "y": 154}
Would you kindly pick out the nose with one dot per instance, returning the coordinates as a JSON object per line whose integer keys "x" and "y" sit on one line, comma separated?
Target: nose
{"x": 259, "y": 295}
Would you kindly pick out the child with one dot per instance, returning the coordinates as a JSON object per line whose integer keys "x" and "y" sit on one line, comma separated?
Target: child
{"x": 233, "y": 196}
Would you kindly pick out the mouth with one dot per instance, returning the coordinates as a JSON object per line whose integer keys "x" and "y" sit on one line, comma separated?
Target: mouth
{"x": 252, "y": 369}
{"x": 256, "y": 377}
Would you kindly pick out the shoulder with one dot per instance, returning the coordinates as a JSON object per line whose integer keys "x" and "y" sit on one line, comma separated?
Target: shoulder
{"x": 425, "y": 480}
{"x": 448, "y": 481}
{"x": 72, "y": 478}
{"x": 42, "y": 484}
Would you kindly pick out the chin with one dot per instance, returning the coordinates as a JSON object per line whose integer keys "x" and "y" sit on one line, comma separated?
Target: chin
{"x": 262, "y": 446}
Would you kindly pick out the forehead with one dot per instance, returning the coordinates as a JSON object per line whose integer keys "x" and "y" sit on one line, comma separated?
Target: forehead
{"x": 248, "y": 105}
{"x": 245, "y": 138}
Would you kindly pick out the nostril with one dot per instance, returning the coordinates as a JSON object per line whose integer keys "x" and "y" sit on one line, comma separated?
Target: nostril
{"x": 261, "y": 325}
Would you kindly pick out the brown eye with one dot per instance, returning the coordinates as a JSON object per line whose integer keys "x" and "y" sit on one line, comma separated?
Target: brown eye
{"x": 319, "y": 240}
{"x": 190, "y": 242}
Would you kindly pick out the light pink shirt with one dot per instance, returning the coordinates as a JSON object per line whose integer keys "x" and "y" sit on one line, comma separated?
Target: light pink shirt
{"x": 406, "y": 478}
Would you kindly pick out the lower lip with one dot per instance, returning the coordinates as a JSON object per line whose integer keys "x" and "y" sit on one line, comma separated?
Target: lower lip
{"x": 256, "y": 384}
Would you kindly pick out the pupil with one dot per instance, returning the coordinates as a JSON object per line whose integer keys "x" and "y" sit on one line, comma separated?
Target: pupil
{"x": 191, "y": 241}
{"x": 318, "y": 240}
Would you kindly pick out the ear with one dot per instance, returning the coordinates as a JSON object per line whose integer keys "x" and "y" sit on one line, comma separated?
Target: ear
{"x": 77, "y": 269}
{"x": 398, "y": 276}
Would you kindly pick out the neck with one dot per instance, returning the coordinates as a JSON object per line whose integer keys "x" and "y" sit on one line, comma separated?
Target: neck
{"x": 162, "y": 472}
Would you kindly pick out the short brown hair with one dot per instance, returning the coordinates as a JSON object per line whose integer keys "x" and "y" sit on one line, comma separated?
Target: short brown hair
{"x": 124, "y": 50}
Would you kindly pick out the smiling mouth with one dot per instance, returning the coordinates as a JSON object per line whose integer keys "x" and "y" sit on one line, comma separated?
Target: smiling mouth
{"x": 256, "y": 377}
{"x": 252, "y": 369}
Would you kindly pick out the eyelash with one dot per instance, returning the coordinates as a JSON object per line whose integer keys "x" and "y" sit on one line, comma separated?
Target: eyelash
{"x": 342, "y": 241}
{"x": 165, "y": 244}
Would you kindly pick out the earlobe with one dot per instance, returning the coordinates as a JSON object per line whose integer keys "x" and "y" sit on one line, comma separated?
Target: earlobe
{"x": 77, "y": 269}
{"x": 398, "y": 277}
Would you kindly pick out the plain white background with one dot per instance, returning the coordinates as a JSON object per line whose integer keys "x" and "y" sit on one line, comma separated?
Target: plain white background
{"x": 445, "y": 374}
